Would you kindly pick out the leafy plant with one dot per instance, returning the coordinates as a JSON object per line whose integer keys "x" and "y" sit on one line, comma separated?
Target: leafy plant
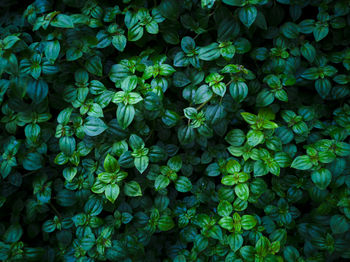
{"x": 138, "y": 130}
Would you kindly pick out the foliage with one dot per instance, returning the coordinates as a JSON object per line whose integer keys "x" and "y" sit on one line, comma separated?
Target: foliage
{"x": 139, "y": 130}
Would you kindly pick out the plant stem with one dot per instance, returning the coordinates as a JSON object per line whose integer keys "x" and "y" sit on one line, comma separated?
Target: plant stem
{"x": 201, "y": 106}
{"x": 55, "y": 210}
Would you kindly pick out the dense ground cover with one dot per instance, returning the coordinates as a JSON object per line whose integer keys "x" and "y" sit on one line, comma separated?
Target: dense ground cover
{"x": 175, "y": 130}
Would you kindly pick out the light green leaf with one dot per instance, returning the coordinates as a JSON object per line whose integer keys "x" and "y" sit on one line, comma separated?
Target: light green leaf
{"x": 161, "y": 182}
{"x": 110, "y": 164}
{"x": 302, "y": 163}
{"x": 248, "y": 222}
{"x": 141, "y": 163}
{"x": 183, "y": 184}
{"x": 242, "y": 191}
{"x": 112, "y": 192}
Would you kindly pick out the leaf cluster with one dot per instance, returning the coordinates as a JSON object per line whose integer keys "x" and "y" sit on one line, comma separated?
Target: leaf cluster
{"x": 175, "y": 130}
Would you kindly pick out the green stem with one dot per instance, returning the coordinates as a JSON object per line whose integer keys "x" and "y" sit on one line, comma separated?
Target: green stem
{"x": 55, "y": 210}
{"x": 203, "y": 104}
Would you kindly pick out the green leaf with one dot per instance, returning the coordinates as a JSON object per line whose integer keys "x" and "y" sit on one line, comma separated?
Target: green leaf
{"x": 104, "y": 177}
{"x": 339, "y": 224}
{"x": 238, "y": 91}
{"x": 188, "y": 44}
{"x": 255, "y": 137}
{"x": 37, "y": 90}
{"x": 141, "y": 163}
{"x": 247, "y": 15}
{"x": 308, "y": 51}
{"x": 49, "y": 226}
{"x": 118, "y": 72}
{"x": 219, "y": 89}
{"x": 181, "y": 60}
{"x": 228, "y": 180}
{"x": 342, "y": 149}
{"x": 234, "y": 2}
{"x": 94, "y": 65}
{"x": 112, "y": 192}
{"x": 165, "y": 223}
{"x": 73, "y": 54}
{"x": 264, "y": 98}
{"x": 33, "y": 161}
{"x": 310, "y": 73}
{"x": 10, "y": 41}
{"x": 129, "y": 83}
{"x": 110, "y": 164}
{"x": 99, "y": 186}
{"x": 228, "y": 51}
{"x": 119, "y": 42}
{"x": 52, "y": 50}
{"x": 247, "y": 253}
{"x": 161, "y": 182}
{"x": 282, "y": 95}
{"x": 242, "y": 191}
{"x": 215, "y": 232}
{"x": 232, "y": 166}
{"x": 69, "y": 173}
{"x": 13, "y": 233}
{"x": 175, "y": 163}
{"x": 323, "y": 87}
{"x": 152, "y": 27}
{"x": 248, "y": 222}
{"x": 136, "y": 142}
{"x": 166, "y": 70}
{"x": 320, "y": 32}
{"x": 186, "y": 134}
{"x": 170, "y": 9}
{"x": 225, "y": 208}
{"x": 291, "y": 254}
{"x": 62, "y": 21}
{"x": 213, "y": 170}
{"x": 207, "y": 3}
{"x": 95, "y": 110}
{"x": 132, "y": 98}
{"x": 260, "y": 168}
{"x": 190, "y": 113}
{"x": 226, "y": 223}
{"x": 235, "y": 137}
{"x": 262, "y": 246}
{"x": 183, "y": 184}
{"x": 326, "y": 157}
{"x": 201, "y": 243}
{"x": 235, "y": 241}
{"x": 202, "y": 94}
{"x": 290, "y": 30}
{"x": 302, "y": 163}
{"x": 125, "y": 115}
{"x": 132, "y": 189}
{"x": 269, "y": 125}
{"x": 94, "y": 126}
{"x": 249, "y": 118}
{"x": 209, "y": 52}
{"x": 322, "y": 178}
{"x": 135, "y": 33}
